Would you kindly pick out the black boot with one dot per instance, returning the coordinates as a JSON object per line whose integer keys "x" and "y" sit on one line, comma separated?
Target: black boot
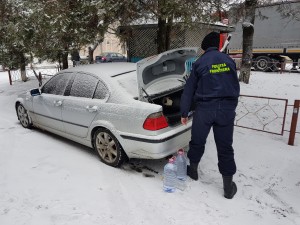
{"x": 192, "y": 171}
{"x": 229, "y": 186}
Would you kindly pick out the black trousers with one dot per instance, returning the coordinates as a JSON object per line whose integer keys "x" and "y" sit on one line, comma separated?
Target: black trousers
{"x": 222, "y": 122}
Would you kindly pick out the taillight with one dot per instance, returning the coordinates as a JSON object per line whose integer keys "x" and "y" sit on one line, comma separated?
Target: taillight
{"x": 155, "y": 121}
{"x": 103, "y": 58}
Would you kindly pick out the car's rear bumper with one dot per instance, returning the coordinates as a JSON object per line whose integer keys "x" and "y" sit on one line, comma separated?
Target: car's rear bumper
{"x": 155, "y": 147}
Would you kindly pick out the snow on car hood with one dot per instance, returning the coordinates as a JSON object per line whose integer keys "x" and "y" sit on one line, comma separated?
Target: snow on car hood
{"x": 167, "y": 67}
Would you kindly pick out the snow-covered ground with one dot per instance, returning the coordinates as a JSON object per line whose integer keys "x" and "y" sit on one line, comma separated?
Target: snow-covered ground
{"x": 48, "y": 180}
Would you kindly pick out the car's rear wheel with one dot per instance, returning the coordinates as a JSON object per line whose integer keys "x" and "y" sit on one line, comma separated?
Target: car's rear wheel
{"x": 23, "y": 116}
{"x": 108, "y": 148}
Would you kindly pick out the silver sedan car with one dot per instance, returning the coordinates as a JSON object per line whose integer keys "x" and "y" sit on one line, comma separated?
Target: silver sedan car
{"x": 122, "y": 110}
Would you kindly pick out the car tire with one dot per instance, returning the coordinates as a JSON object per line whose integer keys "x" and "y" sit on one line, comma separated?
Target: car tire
{"x": 23, "y": 116}
{"x": 108, "y": 148}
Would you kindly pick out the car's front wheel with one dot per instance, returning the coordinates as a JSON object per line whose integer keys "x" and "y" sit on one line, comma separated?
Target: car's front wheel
{"x": 23, "y": 116}
{"x": 108, "y": 148}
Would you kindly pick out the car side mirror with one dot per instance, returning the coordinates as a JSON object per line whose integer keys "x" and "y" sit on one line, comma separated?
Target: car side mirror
{"x": 35, "y": 92}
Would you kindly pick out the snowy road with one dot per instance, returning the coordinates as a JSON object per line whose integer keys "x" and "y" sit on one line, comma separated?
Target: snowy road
{"x": 48, "y": 180}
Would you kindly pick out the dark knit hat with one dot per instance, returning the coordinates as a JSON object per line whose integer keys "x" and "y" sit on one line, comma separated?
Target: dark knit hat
{"x": 211, "y": 40}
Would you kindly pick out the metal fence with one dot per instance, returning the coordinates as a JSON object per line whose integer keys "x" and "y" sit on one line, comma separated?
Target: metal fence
{"x": 144, "y": 41}
{"x": 141, "y": 40}
{"x": 261, "y": 113}
{"x": 15, "y": 75}
{"x": 270, "y": 115}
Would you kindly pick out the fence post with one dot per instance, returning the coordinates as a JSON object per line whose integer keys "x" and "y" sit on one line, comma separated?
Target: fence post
{"x": 40, "y": 79}
{"x": 282, "y": 67}
{"x": 9, "y": 77}
{"x": 294, "y": 122}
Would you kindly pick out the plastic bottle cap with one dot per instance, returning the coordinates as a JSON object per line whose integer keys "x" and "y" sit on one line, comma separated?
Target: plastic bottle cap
{"x": 180, "y": 151}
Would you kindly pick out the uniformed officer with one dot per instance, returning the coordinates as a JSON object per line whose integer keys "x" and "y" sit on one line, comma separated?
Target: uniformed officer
{"x": 214, "y": 88}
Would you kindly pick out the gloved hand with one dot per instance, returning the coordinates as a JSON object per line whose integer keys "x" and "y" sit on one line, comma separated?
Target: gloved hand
{"x": 184, "y": 120}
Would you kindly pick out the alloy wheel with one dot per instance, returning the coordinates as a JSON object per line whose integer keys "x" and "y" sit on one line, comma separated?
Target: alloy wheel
{"x": 23, "y": 116}
{"x": 106, "y": 147}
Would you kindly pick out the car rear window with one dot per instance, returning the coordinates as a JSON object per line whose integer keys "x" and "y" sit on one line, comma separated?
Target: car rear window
{"x": 101, "y": 91}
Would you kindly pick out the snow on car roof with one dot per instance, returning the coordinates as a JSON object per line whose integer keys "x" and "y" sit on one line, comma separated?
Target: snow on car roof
{"x": 116, "y": 75}
{"x": 106, "y": 69}
{"x": 128, "y": 81}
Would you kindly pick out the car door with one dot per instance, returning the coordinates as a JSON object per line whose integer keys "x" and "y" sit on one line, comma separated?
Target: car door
{"x": 84, "y": 102}
{"x": 47, "y": 106}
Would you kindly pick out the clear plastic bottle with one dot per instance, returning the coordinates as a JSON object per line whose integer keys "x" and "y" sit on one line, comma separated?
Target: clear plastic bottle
{"x": 181, "y": 165}
{"x": 170, "y": 179}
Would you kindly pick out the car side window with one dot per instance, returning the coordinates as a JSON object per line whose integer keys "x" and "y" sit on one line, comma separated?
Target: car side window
{"x": 101, "y": 91}
{"x": 57, "y": 84}
{"x": 84, "y": 85}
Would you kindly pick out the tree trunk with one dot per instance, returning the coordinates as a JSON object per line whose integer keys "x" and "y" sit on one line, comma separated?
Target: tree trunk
{"x": 91, "y": 54}
{"x": 65, "y": 59}
{"x": 248, "y": 31}
{"x": 162, "y": 27}
{"x": 161, "y": 35}
{"x": 59, "y": 62}
{"x": 92, "y": 49}
{"x": 23, "y": 66}
{"x": 168, "y": 32}
{"x": 247, "y": 55}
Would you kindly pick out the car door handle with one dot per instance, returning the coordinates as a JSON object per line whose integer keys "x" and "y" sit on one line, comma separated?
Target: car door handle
{"x": 92, "y": 108}
{"x": 57, "y": 103}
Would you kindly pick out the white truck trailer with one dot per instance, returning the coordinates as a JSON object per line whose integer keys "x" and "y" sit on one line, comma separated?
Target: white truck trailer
{"x": 276, "y": 36}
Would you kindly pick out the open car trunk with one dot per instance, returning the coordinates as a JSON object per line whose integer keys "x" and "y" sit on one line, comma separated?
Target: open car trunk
{"x": 171, "y": 106}
{"x": 161, "y": 80}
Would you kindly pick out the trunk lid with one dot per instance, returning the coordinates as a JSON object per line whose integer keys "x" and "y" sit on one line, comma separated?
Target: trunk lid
{"x": 163, "y": 73}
